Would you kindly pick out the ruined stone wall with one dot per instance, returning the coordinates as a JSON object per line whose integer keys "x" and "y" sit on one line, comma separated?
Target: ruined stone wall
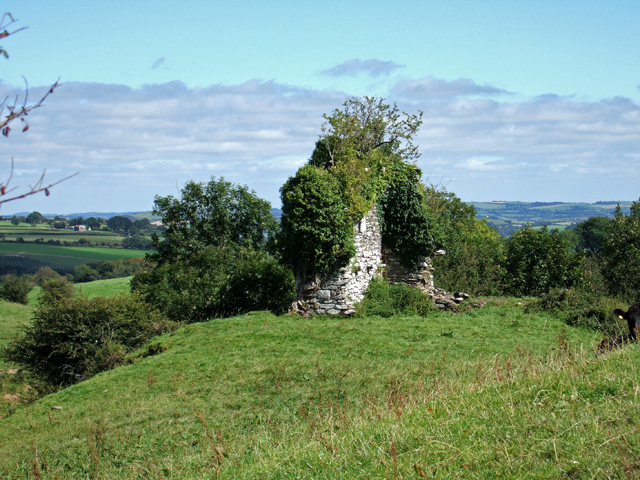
{"x": 339, "y": 294}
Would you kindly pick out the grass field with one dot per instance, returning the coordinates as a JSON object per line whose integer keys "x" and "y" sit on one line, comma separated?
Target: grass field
{"x": 491, "y": 393}
{"x": 62, "y": 255}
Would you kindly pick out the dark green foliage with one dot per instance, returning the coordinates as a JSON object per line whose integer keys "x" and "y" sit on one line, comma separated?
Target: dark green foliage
{"x": 15, "y": 289}
{"x": 580, "y": 308}
{"x": 621, "y": 255}
{"x": 217, "y": 213}
{"x": 316, "y": 234}
{"x": 44, "y": 274}
{"x": 56, "y": 290}
{"x": 407, "y": 226}
{"x": 217, "y": 282}
{"x": 137, "y": 242}
{"x": 35, "y": 217}
{"x": 16, "y": 265}
{"x": 364, "y": 147}
{"x": 537, "y": 261}
{"x": 69, "y": 341}
{"x": 85, "y": 273}
{"x": 474, "y": 250}
{"x": 592, "y": 234}
{"x": 120, "y": 224}
{"x": 387, "y": 300}
{"x": 105, "y": 270}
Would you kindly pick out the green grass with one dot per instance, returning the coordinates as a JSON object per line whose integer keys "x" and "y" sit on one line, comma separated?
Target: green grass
{"x": 73, "y": 256}
{"x": 105, "y": 288}
{"x": 491, "y": 393}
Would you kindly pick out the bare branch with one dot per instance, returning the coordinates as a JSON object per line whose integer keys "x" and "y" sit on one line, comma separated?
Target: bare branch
{"x": 37, "y": 188}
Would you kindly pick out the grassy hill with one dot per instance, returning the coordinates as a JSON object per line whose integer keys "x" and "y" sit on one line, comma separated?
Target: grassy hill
{"x": 494, "y": 392}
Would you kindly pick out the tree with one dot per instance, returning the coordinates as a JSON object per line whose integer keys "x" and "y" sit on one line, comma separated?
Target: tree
{"x": 621, "y": 254}
{"x": 15, "y": 289}
{"x": 364, "y": 125}
{"x": 12, "y": 111}
{"x": 363, "y": 153}
{"x": 72, "y": 339}
{"x": 537, "y": 261}
{"x": 120, "y": 224}
{"x": 15, "y": 221}
{"x": 216, "y": 213}
{"x": 35, "y": 217}
{"x": 592, "y": 234}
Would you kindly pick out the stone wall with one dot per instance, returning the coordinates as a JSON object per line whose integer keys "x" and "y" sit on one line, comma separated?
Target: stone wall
{"x": 339, "y": 294}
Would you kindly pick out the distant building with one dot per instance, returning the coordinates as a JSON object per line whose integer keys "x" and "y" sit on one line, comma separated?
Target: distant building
{"x": 79, "y": 228}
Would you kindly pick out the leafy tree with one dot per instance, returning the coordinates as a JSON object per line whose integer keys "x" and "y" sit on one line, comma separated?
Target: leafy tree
{"x": 93, "y": 222}
{"x": 592, "y": 234}
{"x": 35, "y": 217}
{"x": 55, "y": 290}
{"x": 217, "y": 213}
{"x": 120, "y": 224}
{"x": 15, "y": 221}
{"x": 44, "y": 274}
{"x": 474, "y": 250}
{"x": 364, "y": 125}
{"x": 621, "y": 254}
{"x": 407, "y": 226}
{"x": 537, "y": 261}
{"x": 216, "y": 282}
{"x": 15, "y": 289}
{"x": 360, "y": 157}
{"x": 137, "y": 242}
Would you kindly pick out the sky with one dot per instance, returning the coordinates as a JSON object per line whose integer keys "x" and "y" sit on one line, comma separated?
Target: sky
{"x": 522, "y": 101}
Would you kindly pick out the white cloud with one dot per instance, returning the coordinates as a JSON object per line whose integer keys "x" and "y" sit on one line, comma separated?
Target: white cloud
{"x": 432, "y": 88}
{"x": 356, "y": 66}
{"x": 130, "y": 144}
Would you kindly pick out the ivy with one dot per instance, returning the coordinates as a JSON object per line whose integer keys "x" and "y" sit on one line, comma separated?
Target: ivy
{"x": 359, "y": 161}
{"x": 406, "y": 224}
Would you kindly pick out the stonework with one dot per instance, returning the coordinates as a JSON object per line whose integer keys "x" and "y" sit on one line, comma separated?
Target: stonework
{"x": 339, "y": 294}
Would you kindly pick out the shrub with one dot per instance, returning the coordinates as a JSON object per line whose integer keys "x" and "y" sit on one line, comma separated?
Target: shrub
{"x": 387, "y": 300}
{"x": 537, "y": 261}
{"x": 71, "y": 341}
{"x": 217, "y": 282}
{"x": 56, "y": 290}
{"x": 44, "y": 274}
{"x": 15, "y": 289}
{"x": 580, "y": 308}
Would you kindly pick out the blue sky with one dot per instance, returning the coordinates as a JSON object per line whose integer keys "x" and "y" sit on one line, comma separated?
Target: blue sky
{"x": 531, "y": 101}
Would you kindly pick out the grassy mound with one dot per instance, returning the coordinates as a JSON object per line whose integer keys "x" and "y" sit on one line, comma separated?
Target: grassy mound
{"x": 494, "y": 392}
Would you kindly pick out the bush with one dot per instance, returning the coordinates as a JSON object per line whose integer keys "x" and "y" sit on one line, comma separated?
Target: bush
{"x": 15, "y": 289}
{"x": 580, "y": 308}
{"x": 73, "y": 340}
{"x": 44, "y": 274}
{"x": 537, "y": 261}
{"x": 56, "y": 290}
{"x": 217, "y": 282}
{"x": 387, "y": 300}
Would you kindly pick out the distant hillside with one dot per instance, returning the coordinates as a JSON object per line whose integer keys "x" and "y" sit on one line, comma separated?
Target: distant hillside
{"x": 507, "y": 217}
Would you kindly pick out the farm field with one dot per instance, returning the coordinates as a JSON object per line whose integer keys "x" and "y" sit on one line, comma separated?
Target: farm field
{"x": 63, "y": 255}
{"x": 495, "y": 392}
{"x": 506, "y": 217}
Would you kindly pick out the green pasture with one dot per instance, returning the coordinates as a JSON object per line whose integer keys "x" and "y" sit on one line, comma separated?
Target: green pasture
{"x": 62, "y": 255}
{"x": 495, "y": 392}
